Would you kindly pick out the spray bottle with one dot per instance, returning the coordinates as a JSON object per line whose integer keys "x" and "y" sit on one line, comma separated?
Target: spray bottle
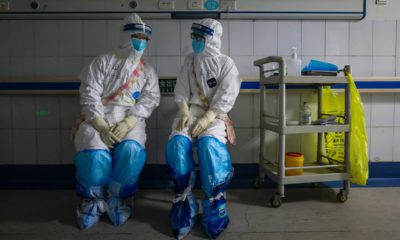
{"x": 293, "y": 64}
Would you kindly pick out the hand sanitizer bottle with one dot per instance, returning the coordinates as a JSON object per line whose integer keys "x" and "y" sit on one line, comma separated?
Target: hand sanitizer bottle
{"x": 293, "y": 64}
{"x": 305, "y": 115}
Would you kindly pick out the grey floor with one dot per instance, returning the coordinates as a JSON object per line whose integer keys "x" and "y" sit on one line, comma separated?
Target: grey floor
{"x": 370, "y": 213}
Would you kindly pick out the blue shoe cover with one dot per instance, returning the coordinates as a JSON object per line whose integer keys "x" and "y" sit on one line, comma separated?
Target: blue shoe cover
{"x": 89, "y": 212}
{"x": 215, "y": 216}
{"x": 183, "y": 215}
{"x": 118, "y": 210}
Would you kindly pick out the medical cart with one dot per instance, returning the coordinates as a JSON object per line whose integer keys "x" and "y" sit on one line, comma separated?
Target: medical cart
{"x": 314, "y": 172}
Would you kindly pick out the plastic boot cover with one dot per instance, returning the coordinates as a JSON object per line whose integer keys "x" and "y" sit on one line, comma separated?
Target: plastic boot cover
{"x": 118, "y": 210}
{"x": 183, "y": 216}
{"x": 128, "y": 161}
{"x": 89, "y": 212}
{"x": 215, "y": 216}
{"x": 215, "y": 165}
{"x": 93, "y": 172}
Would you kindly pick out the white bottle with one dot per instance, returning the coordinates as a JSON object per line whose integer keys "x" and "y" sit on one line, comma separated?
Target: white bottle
{"x": 293, "y": 64}
{"x": 305, "y": 115}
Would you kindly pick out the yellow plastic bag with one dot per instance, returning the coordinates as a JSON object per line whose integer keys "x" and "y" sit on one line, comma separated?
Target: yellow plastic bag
{"x": 333, "y": 103}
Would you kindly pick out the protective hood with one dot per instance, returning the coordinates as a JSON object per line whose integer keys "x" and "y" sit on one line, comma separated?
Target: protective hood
{"x": 213, "y": 43}
{"x": 126, "y": 30}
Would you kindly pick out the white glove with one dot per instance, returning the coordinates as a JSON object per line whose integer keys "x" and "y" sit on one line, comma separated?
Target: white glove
{"x": 122, "y": 128}
{"x": 203, "y": 123}
{"x": 106, "y": 135}
{"x": 184, "y": 117}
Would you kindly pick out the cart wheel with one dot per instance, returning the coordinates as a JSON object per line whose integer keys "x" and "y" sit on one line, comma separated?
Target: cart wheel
{"x": 342, "y": 196}
{"x": 257, "y": 183}
{"x": 276, "y": 201}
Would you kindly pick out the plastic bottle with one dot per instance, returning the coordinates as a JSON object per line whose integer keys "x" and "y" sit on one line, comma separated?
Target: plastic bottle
{"x": 293, "y": 64}
{"x": 305, "y": 115}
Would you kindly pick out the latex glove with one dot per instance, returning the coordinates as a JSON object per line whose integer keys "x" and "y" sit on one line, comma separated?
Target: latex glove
{"x": 203, "y": 123}
{"x": 106, "y": 135}
{"x": 184, "y": 117}
{"x": 122, "y": 128}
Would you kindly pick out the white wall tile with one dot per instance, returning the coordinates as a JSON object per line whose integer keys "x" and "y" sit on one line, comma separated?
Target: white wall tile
{"x": 397, "y": 110}
{"x": 382, "y": 110}
{"x": 94, "y": 37}
{"x": 162, "y": 140}
{"x": 186, "y": 41}
{"x": 169, "y": 41}
{"x": 166, "y": 112}
{"x": 69, "y": 110}
{"x": 6, "y": 146}
{"x": 361, "y": 66}
{"x": 397, "y": 66}
{"x": 289, "y": 35}
{"x": 151, "y": 48}
{"x": 67, "y": 147}
{"x": 71, "y": 38}
{"x": 337, "y": 38}
{"x": 24, "y": 146}
{"x": 381, "y": 144}
{"x": 69, "y": 66}
{"x": 242, "y": 114}
{"x": 49, "y": 147}
{"x": 47, "y": 112}
{"x": 383, "y": 66}
{"x": 266, "y": 38}
{"x": 5, "y": 39}
{"x": 23, "y": 112}
{"x": 241, "y": 38}
{"x": 293, "y": 143}
{"x": 46, "y": 67}
{"x": 22, "y": 67}
{"x": 225, "y": 37}
{"x": 46, "y": 38}
{"x": 361, "y": 38}
{"x": 398, "y": 38}
{"x": 366, "y": 100}
{"x": 368, "y": 131}
{"x": 308, "y": 147}
{"x": 313, "y": 37}
{"x": 151, "y": 146}
{"x": 113, "y": 34}
{"x": 384, "y": 42}
{"x": 340, "y": 61}
{"x": 396, "y": 149}
{"x": 292, "y": 106}
{"x": 21, "y": 38}
{"x": 168, "y": 66}
{"x": 242, "y": 152}
{"x": 269, "y": 149}
{"x": 245, "y": 66}
{"x": 5, "y": 113}
{"x": 4, "y": 69}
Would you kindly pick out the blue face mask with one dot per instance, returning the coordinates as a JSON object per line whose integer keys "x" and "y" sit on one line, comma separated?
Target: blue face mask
{"x": 198, "y": 46}
{"x": 138, "y": 44}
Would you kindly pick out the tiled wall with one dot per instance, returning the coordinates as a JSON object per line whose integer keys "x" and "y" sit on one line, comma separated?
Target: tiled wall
{"x": 35, "y": 129}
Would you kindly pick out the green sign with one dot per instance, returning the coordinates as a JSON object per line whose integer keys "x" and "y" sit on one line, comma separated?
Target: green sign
{"x": 167, "y": 85}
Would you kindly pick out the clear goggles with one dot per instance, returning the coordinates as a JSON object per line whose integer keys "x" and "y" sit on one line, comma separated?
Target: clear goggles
{"x": 199, "y": 32}
{"x": 140, "y": 31}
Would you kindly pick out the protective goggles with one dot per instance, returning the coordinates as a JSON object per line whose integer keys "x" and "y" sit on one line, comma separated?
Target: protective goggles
{"x": 201, "y": 30}
{"x": 197, "y": 37}
{"x": 138, "y": 28}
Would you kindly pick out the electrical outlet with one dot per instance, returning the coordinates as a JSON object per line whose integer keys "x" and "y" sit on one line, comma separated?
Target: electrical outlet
{"x": 4, "y": 6}
{"x": 166, "y": 4}
{"x": 381, "y": 2}
{"x": 228, "y": 4}
{"x": 195, "y": 4}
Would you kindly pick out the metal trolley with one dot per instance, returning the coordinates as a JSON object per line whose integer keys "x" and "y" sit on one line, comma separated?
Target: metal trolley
{"x": 314, "y": 172}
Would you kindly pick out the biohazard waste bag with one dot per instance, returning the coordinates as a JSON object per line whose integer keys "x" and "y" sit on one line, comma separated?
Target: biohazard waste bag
{"x": 334, "y": 103}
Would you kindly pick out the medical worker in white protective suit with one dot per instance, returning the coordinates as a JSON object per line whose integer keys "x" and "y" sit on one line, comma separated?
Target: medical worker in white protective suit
{"x": 118, "y": 92}
{"x": 205, "y": 91}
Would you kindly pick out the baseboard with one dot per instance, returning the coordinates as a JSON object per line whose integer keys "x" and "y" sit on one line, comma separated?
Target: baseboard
{"x": 154, "y": 176}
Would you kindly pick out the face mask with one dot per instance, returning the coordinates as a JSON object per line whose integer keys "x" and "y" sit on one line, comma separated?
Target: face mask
{"x": 139, "y": 44}
{"x": 198, "y": 46}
